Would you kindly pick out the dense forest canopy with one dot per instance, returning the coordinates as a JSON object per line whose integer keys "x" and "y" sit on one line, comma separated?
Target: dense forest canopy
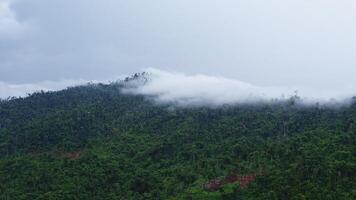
{"x": 98, "y": 142}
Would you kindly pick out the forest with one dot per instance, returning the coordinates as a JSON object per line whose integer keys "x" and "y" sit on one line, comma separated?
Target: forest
{"x": 95, "y": 142}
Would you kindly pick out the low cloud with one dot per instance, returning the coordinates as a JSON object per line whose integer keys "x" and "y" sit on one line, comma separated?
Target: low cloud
{"x": 197, "y": 90}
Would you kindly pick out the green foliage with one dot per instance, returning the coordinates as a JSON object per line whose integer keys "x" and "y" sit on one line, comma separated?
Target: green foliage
{"x": 95, "y": 142}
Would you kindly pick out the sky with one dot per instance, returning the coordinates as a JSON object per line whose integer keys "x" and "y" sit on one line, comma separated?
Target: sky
{"x": 308, "y": 44}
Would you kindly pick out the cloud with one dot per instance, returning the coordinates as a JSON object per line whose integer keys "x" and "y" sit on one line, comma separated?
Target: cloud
{"x": 197, "y": 90}
{"x": 262, "y": 42}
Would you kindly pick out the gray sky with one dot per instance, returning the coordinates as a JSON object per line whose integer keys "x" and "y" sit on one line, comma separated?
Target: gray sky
{"x": 308, "y": 43}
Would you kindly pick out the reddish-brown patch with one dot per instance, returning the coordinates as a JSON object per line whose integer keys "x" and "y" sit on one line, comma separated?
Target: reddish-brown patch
{"x": 72, "y": 155}
{"x": 243, "y": 181}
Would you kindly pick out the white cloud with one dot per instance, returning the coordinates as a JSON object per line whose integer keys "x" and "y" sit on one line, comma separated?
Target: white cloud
{"x": 195, "y": 90}
{"x": 191, "y": 90}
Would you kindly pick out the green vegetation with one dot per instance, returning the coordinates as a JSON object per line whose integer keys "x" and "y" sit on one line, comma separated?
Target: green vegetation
{"x": 94, "y": 142}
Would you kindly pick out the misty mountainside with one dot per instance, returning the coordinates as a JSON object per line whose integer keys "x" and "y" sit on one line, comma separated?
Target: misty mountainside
{"x": 97, "y": 141}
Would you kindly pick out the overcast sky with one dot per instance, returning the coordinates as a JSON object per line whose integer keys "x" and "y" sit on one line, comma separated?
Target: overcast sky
{"x": 307, "y": 43}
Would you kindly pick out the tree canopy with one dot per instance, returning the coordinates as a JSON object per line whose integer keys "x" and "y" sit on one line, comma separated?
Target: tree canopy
{"x": 96, "y": 142}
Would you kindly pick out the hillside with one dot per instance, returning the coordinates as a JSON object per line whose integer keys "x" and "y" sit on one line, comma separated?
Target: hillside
{"x": 96, "y": 142}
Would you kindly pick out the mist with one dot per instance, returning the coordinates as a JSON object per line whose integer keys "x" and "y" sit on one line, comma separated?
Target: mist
{"x": 204, "y": 90}
{"x": 172, "y": 87}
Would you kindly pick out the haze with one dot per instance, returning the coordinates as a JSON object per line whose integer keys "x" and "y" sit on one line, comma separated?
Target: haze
{"x": 308, "y": 44}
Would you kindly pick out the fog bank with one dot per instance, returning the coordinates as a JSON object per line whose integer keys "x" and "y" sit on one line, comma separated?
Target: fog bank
{"x": 199, "y": 89}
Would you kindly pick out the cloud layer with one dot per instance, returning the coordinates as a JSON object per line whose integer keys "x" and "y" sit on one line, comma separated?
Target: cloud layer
{"x": 196, "y": 90}
{"x": 278, "y": 46}
{"x": 278, "y": 42}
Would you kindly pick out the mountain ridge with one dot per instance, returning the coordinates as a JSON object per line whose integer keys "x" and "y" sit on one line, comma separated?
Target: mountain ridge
{"x": 96, "y": 142}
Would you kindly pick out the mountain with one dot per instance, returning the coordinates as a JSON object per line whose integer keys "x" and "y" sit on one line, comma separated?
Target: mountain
{"x": 97, "y": 142}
